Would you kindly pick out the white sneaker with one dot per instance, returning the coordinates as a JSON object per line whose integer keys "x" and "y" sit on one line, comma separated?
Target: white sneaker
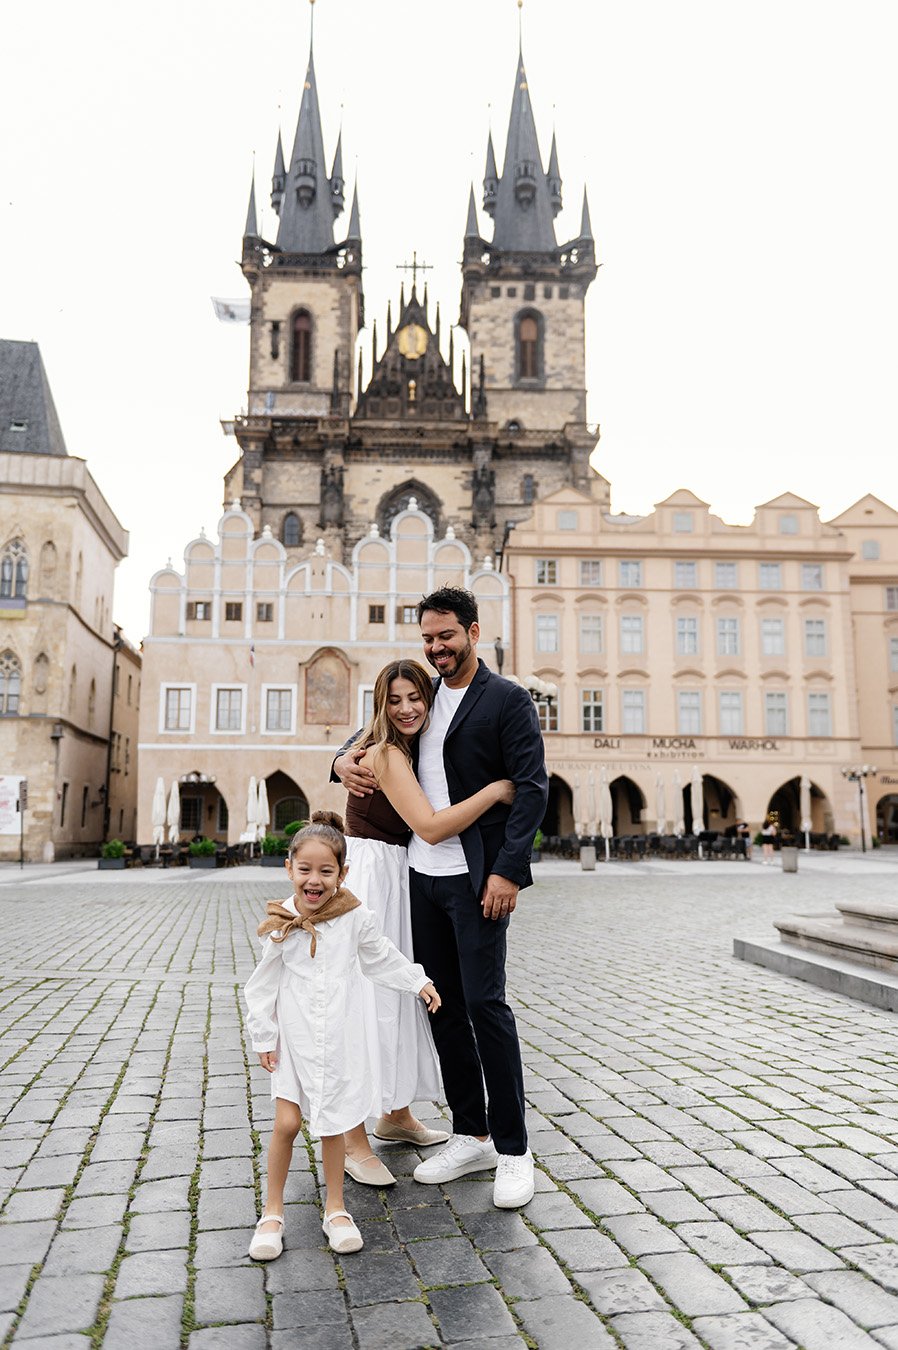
{"x": 463, "y": 1154}
{"x": 513, "y": 1186}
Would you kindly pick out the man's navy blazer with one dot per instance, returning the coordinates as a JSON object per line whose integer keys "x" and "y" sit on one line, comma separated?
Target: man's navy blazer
{"x": 495, "y": 734}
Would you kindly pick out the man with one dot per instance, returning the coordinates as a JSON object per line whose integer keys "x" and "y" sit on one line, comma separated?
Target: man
{"x": 464, "y": 891}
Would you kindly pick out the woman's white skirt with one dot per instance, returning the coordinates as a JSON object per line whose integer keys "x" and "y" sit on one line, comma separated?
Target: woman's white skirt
{"x": 409, "y": 1068}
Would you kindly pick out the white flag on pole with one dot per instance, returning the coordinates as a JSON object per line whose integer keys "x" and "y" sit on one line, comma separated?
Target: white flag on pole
{"x": 231, "y": 311}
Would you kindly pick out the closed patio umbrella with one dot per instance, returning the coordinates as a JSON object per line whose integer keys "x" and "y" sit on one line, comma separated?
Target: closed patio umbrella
{"x": 263, "y": 814}
{"x": 579, "y": 824}
{"x": 159, "y": 814}
{"x": 591, "y": 801}
{"x": 679, "y": 823}
{"x": 174, "y": 814}
{"x": 252, "y": 811}
{"x": 606, "y": 811}
{"x": 660, "y": 804}
{"x": 697, "y": 803}
{"x": 805, "y": 809}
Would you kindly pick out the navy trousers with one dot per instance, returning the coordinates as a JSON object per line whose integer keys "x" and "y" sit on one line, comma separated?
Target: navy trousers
{"x": 474, "y": 1030}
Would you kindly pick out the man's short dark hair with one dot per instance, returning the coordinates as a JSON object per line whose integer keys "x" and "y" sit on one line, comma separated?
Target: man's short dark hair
{"x": 451, "y": 600}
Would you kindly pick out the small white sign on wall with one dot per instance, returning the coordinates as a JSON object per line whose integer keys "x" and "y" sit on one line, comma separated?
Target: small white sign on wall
{"x": 9, "y": 803}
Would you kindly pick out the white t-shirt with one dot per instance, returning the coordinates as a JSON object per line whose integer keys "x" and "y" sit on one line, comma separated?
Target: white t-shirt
{"x": 448, "y": 858}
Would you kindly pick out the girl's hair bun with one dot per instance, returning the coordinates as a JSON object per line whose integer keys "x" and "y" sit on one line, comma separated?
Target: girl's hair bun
{"x": 328, "y": 818}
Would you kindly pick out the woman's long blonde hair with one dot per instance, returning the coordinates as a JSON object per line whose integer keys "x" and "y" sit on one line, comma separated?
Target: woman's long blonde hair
{"x": 381, "y": 731}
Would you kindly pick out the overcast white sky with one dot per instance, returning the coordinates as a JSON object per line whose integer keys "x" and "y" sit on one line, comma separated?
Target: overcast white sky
{"x": 742, "y": 335}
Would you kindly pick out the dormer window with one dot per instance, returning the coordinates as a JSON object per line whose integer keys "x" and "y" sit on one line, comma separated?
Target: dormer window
{"x": 301, "y": 349}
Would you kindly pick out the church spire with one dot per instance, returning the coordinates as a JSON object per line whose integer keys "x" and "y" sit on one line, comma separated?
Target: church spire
{"x": 490, "y": 178}
{"x": 524, "y": 203}
{"x": 472, "y": 230}
{"x": 585, "y": 222}
{"x": 278, "y": 178}
{"x": 553, "y": 178}
{"x": 337, "y": 180}
{"x": 251, "y": 228}
{"x": 355, "y": 229}
{"x": 307, "y": 214}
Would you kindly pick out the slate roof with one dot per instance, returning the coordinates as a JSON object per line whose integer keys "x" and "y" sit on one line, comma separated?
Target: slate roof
{"x": 28, "y": 418}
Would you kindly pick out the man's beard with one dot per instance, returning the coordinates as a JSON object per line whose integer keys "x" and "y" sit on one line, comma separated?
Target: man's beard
{"x": 460, "y": 660}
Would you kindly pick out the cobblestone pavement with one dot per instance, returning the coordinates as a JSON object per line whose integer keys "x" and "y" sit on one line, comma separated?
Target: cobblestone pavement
{"x": 717, "y": 1145}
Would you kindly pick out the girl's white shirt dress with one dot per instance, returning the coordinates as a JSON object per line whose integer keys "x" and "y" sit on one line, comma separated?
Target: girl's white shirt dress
{"x": 311, "y": 1012}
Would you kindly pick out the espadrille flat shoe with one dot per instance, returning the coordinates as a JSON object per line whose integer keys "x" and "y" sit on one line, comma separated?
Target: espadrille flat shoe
{"x": 267, "y": 1246}
{"x": 342, "y": 1237}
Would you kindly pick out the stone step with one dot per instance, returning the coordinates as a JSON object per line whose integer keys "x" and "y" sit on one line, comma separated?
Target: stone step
{"x": 862, "y": 943}
{"x": 881, "y": 914}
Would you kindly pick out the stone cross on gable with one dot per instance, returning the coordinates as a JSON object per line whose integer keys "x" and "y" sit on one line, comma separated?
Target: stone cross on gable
{"x": 414, "y": 267}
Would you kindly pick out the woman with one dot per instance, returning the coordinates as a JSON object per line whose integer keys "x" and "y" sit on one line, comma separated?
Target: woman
{"x": 377, "y": 833}
{"x": 768, "y": 834}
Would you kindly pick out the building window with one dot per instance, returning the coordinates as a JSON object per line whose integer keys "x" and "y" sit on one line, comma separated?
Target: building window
{"x": 377, "y": 613}
{"x": 726, "y": 576}
{"x": 819, "y": 718}
{"x": 689, "y": 712}
{"x": 264, "y": 611}
{"x": 682, "y": 522}
{"x": 10, "y": 683}
{"x": 291, "y": 531}
{"x": 788, "y": 524}
{"x": 278, "y": 709}
{"x": 199, "y": 609}
{"x": 567, "y": 520}
{"x": 811, "y": 576}
{"x": 770, "y": 577}
{"x": 547, "y": 632}
{"x": 815, "y": 637}
{"x": 178, "y": 707}
{"x": 776, "y": 713}
{"x": 631, "y": 633}
{"x": 228, "y": 709}
{"x": 727, "y": 637}
{"x": 233, "y": 611}
{"x": 529, "y": 326}
{"x": 892, "y": 597}
{"x": 687, "y": 637}
{"x": 633, "y": 712}
{"x": 685, "y": 576}
{"x": 629, "y": 572}
{"x": 591, "y": 710}
{"x": 893, "y": 653}
{"x": 85, "y": 795}
{"x": 528, "y": 489}
{"x": 130, "y": 684}
{"x": 14, "y": 571}
{"x": 731, "y": 717}
{"x": 191, "y": 815}
{"x": 590, "y": 633}
{"x": 547, "y": 715}
{"x": 222, "y": 816}
{"x": 870, "y": 550}
{"x": 301, "y": 350}
{"x": 773, "y": 637}
{"x": 546, "y": 572}
{"x": 590, "y": 572}
{"x": 408, "y": 614}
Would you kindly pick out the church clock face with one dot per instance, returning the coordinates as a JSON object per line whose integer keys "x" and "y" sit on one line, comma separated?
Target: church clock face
{"x": 412, "y": 341}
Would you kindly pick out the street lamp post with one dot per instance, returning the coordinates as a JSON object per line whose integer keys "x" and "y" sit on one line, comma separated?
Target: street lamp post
{"x": 858, "y": 774}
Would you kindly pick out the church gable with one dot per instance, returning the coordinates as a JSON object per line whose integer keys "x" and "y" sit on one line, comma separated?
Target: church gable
{"x": 411, "y": 378}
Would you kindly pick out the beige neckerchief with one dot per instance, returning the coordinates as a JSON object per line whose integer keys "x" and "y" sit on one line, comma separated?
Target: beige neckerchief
{"x": 282, "y": 921}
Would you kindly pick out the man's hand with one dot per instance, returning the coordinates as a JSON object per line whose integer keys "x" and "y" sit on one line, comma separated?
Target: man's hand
{"x": 499, "y": 897}
{"x": 268, "y": 1059}
{"x": 356, "y": 780}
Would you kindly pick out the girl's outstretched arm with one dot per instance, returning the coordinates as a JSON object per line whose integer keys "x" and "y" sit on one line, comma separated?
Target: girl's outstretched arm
{"x": 406, "y": 796}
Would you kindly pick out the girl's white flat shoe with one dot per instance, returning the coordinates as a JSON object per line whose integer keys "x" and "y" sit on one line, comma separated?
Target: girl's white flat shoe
{"x": 343, "y": 1237}
{"x": 267, "y": 1246}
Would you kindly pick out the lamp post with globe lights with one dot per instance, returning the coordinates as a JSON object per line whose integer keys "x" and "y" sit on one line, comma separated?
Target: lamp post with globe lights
{"x": 859, "y": 774}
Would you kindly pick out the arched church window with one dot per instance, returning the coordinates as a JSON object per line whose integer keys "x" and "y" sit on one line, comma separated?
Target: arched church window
{"x": 301, "y": 348}
{"x": 529, "y": 346}
{"x": 398, "y": 500}
{"x": 10, "y": 682}
{"x": 291, "y": 533}
{"x": 14, "y": 571}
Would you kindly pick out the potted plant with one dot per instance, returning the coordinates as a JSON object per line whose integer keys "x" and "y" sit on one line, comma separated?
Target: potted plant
{"x": 202, "y": 853}
{"x": 290, "y": 830}
{"x": 536, "y": 847}
{"x": 112, "y": 856}
{"x": 274, "y": 850}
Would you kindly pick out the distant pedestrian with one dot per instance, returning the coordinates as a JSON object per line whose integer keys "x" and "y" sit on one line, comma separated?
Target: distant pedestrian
{"x": 769, "y": 832}
{"x": 744, "y": 833}
{"x": 306, "y": 1019}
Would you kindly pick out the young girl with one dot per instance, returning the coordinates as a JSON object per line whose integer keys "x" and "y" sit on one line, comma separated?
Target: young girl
{"x": 306, "y": 1019}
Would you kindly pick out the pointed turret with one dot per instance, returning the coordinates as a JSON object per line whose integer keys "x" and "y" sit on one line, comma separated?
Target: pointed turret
{"x": 585, "y": 222}
{"x": 472, "y": 229}
{"x": 251, "y": 228}
{"x": 337, "y": 181}
{"x": 354, "y": 232}
{"x": 278, "y": 178}
{"x": 490, "y": 179}
{"x": 307, "y": 217}
{"x": 553, "y": 178}
{"x": 524, "y": 207}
